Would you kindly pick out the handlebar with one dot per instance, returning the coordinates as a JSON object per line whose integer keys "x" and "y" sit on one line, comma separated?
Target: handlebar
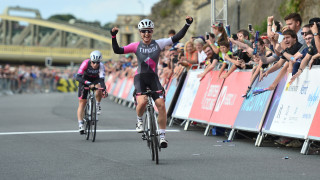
{"x": 149, "y": 92}
{"x": 93, "y": 88}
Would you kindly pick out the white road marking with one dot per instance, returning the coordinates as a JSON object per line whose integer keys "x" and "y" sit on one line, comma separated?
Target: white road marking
{"x": 72, "y": 131}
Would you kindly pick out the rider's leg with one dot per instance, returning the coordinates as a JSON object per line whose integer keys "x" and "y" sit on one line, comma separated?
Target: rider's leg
{"x": 80, "y": 112}
{"x": 162, "y": 117}
{"x": 141, "y": 105}
{"x": 98, "y": 98}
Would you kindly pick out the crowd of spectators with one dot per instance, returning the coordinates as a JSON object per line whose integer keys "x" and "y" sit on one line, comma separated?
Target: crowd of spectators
{"x": 290, "y": 47}
{"x": 31, "y": 79}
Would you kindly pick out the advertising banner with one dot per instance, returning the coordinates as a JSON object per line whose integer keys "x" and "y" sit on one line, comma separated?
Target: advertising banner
{"x": 230, "y": 99}
{"x": 127, "y": 88}
{"x": 206, "y": 97}
{"x": 187, "y": 95}
{"x": 122, "y": 87}
{"x": 254, "y": 108}
{"x": 297, "y": 106}
{"x": 170, "y": 92}
{"x": 314, "y": 132}
{"x": 117, "y": 87}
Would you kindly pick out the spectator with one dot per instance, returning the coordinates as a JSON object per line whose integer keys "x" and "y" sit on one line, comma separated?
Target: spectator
{"x": 211, "y": 61}
{"x": 190, "y": 53}
{"x": 199, "y": 43}
{"x": 294, "y": 22}
{"x": 220, "y": 35}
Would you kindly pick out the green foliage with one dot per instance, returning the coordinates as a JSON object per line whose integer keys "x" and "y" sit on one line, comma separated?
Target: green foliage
{"x": 176, "y": 2}
{"x": 165, "y": 12}
{"x": 108, "y": 26}
{"x": 262, "y": 28}
{"x": 62, "y": 17}
{"x": 289, "y": 6}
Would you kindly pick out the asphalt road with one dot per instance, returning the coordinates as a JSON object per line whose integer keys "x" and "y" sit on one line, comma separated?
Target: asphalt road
{"x": 39, "y": 140}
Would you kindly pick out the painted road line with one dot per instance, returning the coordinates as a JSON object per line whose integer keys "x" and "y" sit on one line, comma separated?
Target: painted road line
{"x": 72, "y": 131}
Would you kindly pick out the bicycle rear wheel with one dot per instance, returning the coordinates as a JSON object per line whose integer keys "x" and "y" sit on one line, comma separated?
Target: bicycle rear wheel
{"x": 93, "y": 122}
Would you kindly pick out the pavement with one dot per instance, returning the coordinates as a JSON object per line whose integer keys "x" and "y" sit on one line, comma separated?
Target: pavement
{"x": 40, "y": 140}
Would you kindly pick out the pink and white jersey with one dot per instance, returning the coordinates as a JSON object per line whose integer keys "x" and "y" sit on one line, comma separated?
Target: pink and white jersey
{"x": 147, "y": 55}
{"x": 87, "y": 71}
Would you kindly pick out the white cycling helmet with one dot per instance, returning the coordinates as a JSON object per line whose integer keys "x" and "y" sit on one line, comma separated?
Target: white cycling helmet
{"x": 96, "y": 56}
{"x": 145, "y": 24}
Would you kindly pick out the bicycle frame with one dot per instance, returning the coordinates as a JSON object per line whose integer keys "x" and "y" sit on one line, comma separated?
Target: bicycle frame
{"x": 150, "y": 132}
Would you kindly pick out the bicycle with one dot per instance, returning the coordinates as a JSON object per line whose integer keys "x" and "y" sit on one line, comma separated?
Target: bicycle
{"x": 90, "y": 114}
{"x": 150, "y": 126}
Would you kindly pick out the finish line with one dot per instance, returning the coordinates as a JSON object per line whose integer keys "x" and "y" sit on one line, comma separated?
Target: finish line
{"x": 72, "y": 131}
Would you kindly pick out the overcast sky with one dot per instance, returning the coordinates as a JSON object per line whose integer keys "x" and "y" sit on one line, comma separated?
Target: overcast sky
{"x": 89, "y": 10}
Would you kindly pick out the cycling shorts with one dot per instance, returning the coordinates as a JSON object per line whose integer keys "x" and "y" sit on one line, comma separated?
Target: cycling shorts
{"x": 83, "y": 93}
{"x": 150, "y": 80}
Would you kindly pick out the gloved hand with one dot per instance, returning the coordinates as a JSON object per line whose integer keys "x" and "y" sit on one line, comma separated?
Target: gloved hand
{"x": 114, "y": 32}
{"x": 88, "y": 83}
{"x": 189, "y": 20}
{"x": 104, "y": 93}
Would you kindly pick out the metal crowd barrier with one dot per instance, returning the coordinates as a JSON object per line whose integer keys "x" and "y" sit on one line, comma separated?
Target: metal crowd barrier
{"x": 10, "y": 86}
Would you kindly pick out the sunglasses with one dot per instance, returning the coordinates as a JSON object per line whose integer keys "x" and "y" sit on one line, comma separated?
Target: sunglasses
{"x": 95, "y": 62}
{"x": 303, "y": 33}
{"x": 146, "y": 30}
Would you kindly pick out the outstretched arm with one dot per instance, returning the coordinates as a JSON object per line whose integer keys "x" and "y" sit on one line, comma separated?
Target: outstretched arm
{"x": 183, "y": 31}
{"x": 115, "y": 45}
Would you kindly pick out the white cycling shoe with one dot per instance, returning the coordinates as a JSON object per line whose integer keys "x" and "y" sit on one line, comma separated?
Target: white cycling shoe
{"x": 139, "y": 127}
{"x": 81, "y": 129}
{"x": 163, "y": 143}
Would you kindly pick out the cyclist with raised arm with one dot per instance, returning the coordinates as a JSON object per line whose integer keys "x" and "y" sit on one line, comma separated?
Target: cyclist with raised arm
{"x": 147, "y": 52}
{"x": 90, "y": 74}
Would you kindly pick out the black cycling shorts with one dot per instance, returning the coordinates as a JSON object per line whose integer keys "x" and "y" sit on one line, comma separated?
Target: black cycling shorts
{"x": 83, "y": 93}
{"x": 151, "y": 80}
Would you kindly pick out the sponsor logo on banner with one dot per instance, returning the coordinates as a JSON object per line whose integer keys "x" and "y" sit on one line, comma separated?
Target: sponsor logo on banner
{"x": 210, "y": 97}
{"x": 304, "y": 87}
{"x": 256, "y": 103}
{"x": 313, "y": 98}
{"x": 225, "y": 99}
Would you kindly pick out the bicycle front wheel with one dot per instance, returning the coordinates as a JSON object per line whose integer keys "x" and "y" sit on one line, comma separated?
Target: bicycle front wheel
{"x": 93, "y": 122}
{"x": 149, "y": 132}
{"x": 86, "y": 119}
{"x": 154, "y": 138}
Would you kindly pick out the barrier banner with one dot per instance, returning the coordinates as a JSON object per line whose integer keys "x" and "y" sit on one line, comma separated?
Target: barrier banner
{"x": 117, "y": 87}
{"x": 230, "y": 100}
{"x": 127, "y": 88}
{"x": 206, "y": 98}
{"x": 254, "y": 108}
{"x": 123, "y": 84}
{"x": 109, "y": 83}
{"x": 67, "y": 85}
{"x": 274, "y": 104}
{"x": 187, "y": 94}
{"x": 170, "y": 92}
{"x": 130, "y": 95}
{"x": 298, "y": 105}
{"x": 314, "y": 132}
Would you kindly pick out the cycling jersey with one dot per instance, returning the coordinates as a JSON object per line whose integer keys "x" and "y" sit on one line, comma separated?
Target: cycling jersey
{"x": 147, "y": 55}
{"x": 87, "y": 73}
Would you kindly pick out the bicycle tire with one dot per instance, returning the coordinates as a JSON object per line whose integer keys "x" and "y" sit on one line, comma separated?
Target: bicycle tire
{"x": 87, "y": 124}
{"x": 150, "y": 131}
{"x": 154, "y": 137}
{"x": 145, "y": 132}
{"x": 93, "y": 122}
